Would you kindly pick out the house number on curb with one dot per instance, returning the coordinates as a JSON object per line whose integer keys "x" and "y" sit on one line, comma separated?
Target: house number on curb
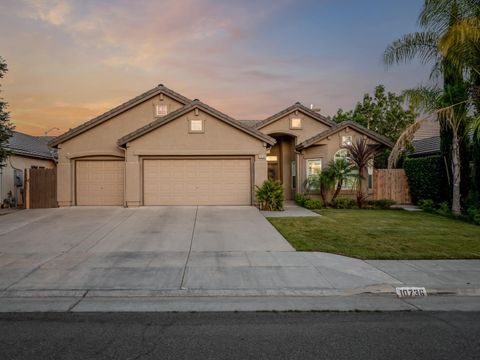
{"x": 410, "y": 291}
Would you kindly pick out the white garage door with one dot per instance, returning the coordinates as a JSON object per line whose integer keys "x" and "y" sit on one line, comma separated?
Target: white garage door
{"x": 197, "y": 182}
{"x": 100, "y": 182}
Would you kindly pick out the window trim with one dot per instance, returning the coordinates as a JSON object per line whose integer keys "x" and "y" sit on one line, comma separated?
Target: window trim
{"x": 295, "y": 127}
{"x": 190, "y": 131}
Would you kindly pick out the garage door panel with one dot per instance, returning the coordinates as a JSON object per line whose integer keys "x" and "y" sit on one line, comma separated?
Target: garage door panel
{"x": 197, "y": 182}
{"x": 100, "y": 182}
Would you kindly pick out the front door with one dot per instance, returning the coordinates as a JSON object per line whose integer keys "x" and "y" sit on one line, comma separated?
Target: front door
{"x": 273, "y": 171}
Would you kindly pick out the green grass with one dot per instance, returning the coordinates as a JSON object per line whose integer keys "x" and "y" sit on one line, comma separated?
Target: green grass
{"x": 382, "y": 234}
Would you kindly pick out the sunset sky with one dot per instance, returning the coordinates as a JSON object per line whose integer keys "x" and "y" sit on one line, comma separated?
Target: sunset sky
{"x": 72, "y": 60}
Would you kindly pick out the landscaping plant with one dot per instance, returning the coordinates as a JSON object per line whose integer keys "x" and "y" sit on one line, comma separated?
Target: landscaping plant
{"x": 270, "y": 195}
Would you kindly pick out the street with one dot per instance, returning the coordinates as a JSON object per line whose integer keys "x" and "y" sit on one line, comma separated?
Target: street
{"x": 309, "y": 335}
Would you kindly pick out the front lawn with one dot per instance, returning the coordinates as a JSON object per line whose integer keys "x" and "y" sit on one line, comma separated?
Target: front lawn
{"x": 382, "y": 234}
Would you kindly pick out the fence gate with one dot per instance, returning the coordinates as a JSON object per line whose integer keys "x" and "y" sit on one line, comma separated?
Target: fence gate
{"x": 391, "y": 184}
{"x": 41, "y": 188}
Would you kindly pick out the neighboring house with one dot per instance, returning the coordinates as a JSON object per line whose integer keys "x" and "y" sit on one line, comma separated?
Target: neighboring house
{"x": 27, "y": 152}
{"x": 426, "y": 141}
{"x": 162, "y": 148}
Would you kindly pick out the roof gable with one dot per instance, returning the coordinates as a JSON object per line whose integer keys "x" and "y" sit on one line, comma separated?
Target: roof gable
{"x": 195, "y": 104}
{"x": 338, "y": 127}
{"x": 160, "y": 89}
{"x": 295, "y": 107}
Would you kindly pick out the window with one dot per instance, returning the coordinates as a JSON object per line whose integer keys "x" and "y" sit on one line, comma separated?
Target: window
{"x": 349, "y": 182}
{"x": 346, "y": 140}
{"x": 196, "y": 126}
{"x": 161, "y": 110}
{"x": 295, "y": 123}
{"x": 314, "y": 167}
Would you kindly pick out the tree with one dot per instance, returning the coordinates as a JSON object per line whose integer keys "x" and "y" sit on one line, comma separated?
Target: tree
{"x": 383, "y": 113}
{"x": 341, "y": 170}
{"x": 440, "y": 45}
{"x": 361, "y": 154}
{"x": 6, "y": 127}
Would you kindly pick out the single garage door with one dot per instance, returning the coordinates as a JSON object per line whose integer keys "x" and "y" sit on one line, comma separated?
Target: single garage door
{"x": 197, "y": 182}
{"x": 99, "y": 182}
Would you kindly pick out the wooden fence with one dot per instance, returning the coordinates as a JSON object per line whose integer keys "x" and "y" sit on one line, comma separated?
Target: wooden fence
{"x": 391, "y": 184}
{"x": 40, "y": 188}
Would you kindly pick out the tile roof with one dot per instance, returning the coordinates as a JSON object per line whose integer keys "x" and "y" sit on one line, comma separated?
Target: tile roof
{"x": 187, "y": 108}
{"x": 28, "y": 145}
{"x": 426, "y": 146}
{"x": 118, "y": 110}
{"x": 250, "y": 123}
{"x": 334, "y": 129}
{"x": 295, "y": 107}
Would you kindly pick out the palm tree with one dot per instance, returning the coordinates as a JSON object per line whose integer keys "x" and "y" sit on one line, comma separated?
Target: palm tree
{"x": 341, "y": 170}
{"x": 450, "y": 42}
{"x": 323, "y": 182}
{"x": 361, "y": 154}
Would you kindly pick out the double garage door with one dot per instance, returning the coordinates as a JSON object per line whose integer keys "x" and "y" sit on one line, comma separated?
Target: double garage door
{"x": 168, "y": 182}
{"x": 197, "y": 182}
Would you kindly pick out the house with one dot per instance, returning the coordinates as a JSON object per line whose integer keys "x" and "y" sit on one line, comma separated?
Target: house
{"x": 161, "y": 148}
{"x": 27, "y": 152}
{"x": 426, "y": 141}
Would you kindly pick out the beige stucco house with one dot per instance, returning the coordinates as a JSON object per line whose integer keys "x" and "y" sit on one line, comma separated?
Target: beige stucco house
{"x": 27, "y": 151}
{"x": 162, "y": 148}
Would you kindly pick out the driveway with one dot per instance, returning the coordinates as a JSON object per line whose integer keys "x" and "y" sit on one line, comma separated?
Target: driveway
{"x": 147, "y": 229}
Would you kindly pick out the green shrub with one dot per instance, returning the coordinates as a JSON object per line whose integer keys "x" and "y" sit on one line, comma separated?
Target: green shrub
{"x": 344, "y": 203}
{"x": 427, "y": 179}
{"x": 473, "y": 214}
{"x": 300, "y": 199}
{"x": 443, "y": 209}
{"x": 382, "y": 204}
{"x": 313, "y": 204}
{"x": 270, "y": 195}
{"x": 427, "y": 205}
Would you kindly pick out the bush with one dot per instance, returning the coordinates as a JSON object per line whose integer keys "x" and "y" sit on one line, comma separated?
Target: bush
{"x": 344, "y": 203}
{"x": 427, "y": 179}
{"x": 270, "y": 195}
{"x": 473, "y": 214}
{"x": 427, "y": 205}
{"x": 443, "y": 209}
{"x": 382, "y": 204}
{"x": 313, "y": 204}
{"x": 300, "y": 199}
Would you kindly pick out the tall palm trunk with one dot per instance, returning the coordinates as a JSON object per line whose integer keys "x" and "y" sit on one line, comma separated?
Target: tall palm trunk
{"x": 456, "y": 167}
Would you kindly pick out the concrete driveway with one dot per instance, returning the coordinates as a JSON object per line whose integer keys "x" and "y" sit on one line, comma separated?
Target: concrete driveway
{"x": 157, "y": 229}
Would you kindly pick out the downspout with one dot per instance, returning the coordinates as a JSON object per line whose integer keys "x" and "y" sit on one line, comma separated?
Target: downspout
{"x": 124, "y": 175}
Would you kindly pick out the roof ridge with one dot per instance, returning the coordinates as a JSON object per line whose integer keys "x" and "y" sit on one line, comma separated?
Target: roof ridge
{"x": 338, "y": 127}
{"x": 116, "y": 111}
{"x": 184, "y": 109}
{"x": 297, "y": 106}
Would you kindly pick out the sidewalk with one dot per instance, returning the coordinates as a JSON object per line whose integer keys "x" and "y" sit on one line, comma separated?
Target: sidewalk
{"x": 229, "y": 281}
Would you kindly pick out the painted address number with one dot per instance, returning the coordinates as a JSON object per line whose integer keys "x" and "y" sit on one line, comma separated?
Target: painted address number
{"x": 410, "y": 291}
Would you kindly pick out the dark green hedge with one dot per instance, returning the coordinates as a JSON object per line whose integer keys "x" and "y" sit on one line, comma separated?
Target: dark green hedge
{"x": 427, "y": 178}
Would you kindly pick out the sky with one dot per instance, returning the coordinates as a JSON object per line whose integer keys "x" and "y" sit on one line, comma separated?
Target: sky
{"x": 70, "y": 61}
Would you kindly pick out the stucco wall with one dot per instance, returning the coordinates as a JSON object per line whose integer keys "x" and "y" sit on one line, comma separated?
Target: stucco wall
{"x": 102, "y": 140}
{"x": 310, "y": 127}
{"x": 7, "y": 174}
{"x": 174, "y": 139}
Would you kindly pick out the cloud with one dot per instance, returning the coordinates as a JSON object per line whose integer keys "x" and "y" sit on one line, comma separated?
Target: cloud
{"x": 53, "y": 12}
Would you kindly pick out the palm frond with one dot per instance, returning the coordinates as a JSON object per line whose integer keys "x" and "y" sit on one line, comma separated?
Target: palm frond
{"x": 421, "y": 45}
{"x": 423, "y": 98}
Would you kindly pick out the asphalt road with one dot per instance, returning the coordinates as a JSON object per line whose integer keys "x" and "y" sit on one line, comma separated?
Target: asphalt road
{"x": 399, "y": 335}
